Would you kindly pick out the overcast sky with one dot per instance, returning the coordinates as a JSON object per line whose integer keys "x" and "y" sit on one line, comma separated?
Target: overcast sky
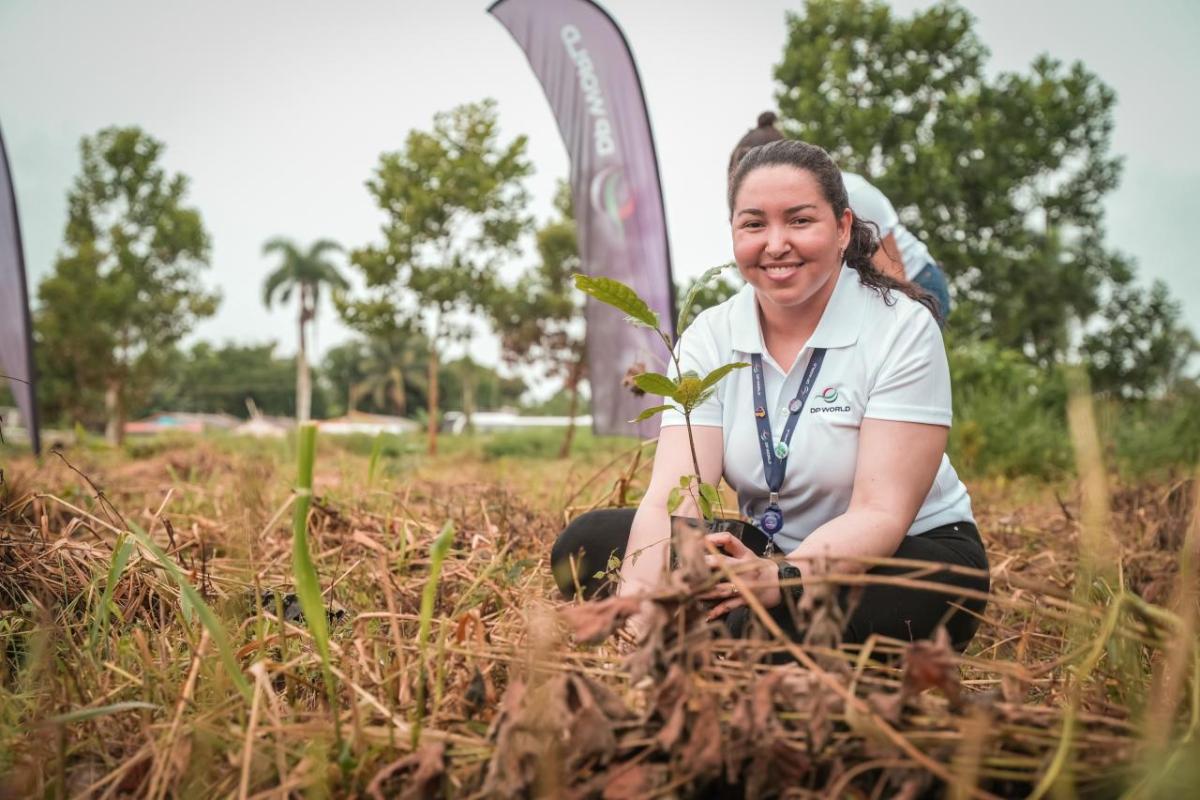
{"x": 278, "y": 112}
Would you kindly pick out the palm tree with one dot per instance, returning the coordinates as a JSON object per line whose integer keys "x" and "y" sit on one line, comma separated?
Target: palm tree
{"x": 390, "y": 363}
{"x": 305, "y": 271}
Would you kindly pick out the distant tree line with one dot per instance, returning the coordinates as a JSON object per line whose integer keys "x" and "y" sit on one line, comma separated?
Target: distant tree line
{"x": 1004, "y": 177}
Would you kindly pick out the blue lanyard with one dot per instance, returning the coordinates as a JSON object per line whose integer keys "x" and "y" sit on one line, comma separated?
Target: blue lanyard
{"x": 775, "y": 462}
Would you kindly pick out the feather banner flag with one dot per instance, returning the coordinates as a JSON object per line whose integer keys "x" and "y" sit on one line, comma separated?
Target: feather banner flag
{"x": 16, "y": 335}
{"x": 587, "y": 71}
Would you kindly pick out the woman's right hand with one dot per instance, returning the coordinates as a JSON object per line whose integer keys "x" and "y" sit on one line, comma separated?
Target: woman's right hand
{"x": 759, "y": 575}
{"x": 647, "y": 552}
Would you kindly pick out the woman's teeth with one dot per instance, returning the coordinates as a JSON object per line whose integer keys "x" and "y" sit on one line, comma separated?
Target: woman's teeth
{"x": 779, "y": 272}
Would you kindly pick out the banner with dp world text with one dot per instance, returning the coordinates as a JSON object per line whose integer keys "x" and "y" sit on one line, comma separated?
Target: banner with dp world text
{"x": 16, "y": 339}
{"x": 587, "y": 71}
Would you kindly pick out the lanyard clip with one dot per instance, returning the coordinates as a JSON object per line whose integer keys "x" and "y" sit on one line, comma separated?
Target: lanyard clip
{"x": 774, "y": 499}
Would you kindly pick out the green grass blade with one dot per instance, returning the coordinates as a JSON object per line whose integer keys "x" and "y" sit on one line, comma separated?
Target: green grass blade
{"x": 304, "y": 571}
{"x": 437, "y": 554}
{"x": 115, "y": 568}
{"x": 100, "y": 711}
{"x": 207, "y": 618}
{"x": 376, "y": 454}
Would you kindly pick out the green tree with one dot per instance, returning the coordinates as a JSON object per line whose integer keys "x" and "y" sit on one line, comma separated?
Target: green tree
{"x": 709, "y": 294}
{"x": 305, "y": 272}
{"x": 455, "y": 202}
{"x": 1003, "y": 176}
{"x": 213, "y": 379}
{"x": 489, "y": 389}
{"x": 125, "y": 288}
{"x": 378, "y": 375}
{"x": 389, "y": 376}
{"x": 1142, "y": 345}
{"x": 540, "y": 318}
{"x": 388, "y": 366}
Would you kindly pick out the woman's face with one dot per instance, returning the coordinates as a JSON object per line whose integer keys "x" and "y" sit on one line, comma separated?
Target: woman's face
{"x": 786, "y": 239}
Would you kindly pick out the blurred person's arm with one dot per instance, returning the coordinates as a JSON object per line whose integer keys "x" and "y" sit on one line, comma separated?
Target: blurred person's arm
{"x": 887, "y": 258}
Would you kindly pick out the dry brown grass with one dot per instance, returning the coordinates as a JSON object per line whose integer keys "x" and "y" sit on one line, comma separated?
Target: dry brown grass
{"x": 1053, "y": 692}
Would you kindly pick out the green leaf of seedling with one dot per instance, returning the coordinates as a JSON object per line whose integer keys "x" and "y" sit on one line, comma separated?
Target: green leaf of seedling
{"x": 685, "y": 481}
{"x": 619, "y": 296}
{"x": 674, "y": 498}
{"x": 711, "y": 378}
{"x": 705, "y": 506}
{"x": 650, "y": 412}
{"x": 654, "y": 383}
{"x": 709, "y": 492}
{"x": 690, "y": 392}
{"x": 690, "y": 299}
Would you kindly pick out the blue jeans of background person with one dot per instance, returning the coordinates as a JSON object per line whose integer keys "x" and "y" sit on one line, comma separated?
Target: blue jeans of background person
{"x": 933, "y": 280}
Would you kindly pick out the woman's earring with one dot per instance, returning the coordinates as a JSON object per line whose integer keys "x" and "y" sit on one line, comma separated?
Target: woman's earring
{"x": 841, "y": 253}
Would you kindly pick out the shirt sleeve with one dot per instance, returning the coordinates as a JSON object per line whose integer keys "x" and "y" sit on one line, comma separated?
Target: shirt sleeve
{"x": 872, "y": 205}
{"x": 698, "y": 353}
{"x": 913, "y": 383}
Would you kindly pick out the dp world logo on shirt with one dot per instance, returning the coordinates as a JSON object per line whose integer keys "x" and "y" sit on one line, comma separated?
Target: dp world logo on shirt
{"x": 830, "y": 396}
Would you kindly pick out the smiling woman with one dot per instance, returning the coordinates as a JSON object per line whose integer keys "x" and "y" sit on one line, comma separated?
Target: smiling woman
{"x": 862, "y": 474}
{"x": 900, "y": 254}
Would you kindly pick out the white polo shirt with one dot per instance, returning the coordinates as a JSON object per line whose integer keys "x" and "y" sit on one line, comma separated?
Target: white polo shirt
{"x": 872, "y": 205}
{"x": 882, "y": 361}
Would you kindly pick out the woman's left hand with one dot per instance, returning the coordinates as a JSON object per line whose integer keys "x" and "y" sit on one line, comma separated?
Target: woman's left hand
{"x": 761, "y": 575}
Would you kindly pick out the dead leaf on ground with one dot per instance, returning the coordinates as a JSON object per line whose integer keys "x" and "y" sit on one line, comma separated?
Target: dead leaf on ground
{"x": 627, "y": 783}
{"x": 417, "y": 776}
{"x": 932, "y": 665}
{"x": 566, "y": 721}
{"x": 595, "y": 621}
{"x": 703, "y": 753}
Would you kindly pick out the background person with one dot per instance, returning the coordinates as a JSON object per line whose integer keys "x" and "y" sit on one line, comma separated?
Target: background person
{"x": 850, "y": 394}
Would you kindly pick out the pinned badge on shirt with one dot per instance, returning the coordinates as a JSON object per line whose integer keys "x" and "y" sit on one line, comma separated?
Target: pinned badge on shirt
{"x": 760, "y": 412}
{"x": 794, "y": 406}
{"x": 781, "y": 450}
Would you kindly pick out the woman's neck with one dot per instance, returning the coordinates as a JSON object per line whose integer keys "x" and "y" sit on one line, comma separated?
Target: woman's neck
{"x": 786, "y": 329}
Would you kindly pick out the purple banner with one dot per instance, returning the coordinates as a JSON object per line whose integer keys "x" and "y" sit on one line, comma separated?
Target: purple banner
{"x": 587, "y": 71}
{"x": 16, "y": 337}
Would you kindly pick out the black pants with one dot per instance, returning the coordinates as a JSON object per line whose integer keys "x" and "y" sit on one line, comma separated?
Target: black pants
{"x": 592, "y": 539}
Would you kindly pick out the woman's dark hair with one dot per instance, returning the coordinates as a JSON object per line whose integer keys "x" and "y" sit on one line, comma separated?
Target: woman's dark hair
{"x": 864, "y": 236}
{"x": 764, "y": 133}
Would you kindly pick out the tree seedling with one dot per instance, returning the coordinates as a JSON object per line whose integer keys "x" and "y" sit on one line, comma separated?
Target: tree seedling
{"x": 686, "y": 392}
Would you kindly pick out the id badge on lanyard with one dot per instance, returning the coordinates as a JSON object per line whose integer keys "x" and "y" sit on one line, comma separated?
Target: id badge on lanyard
{"x": 775, "y": 453}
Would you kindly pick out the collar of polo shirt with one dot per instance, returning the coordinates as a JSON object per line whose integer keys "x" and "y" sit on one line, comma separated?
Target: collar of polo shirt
{"x": 839, "y": 326}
